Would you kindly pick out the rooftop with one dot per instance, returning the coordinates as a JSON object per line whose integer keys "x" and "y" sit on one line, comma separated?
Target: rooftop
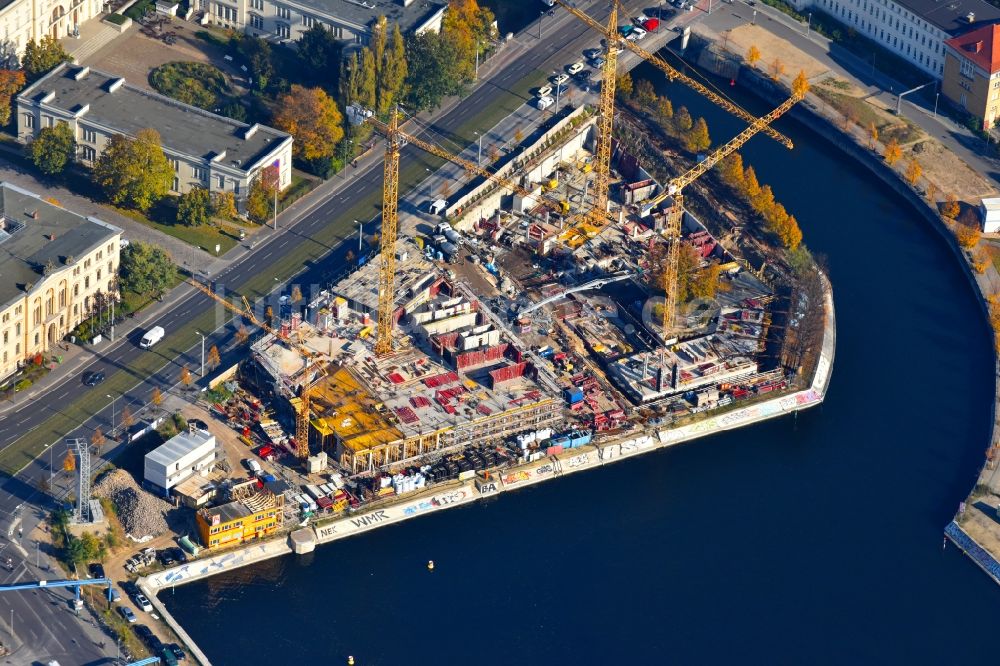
{"x": 109, "y": 101}
{"x": 179, "y": 446}
{"x": 35, "y": 234}
{"x": 951, "y": 15}
{"x": 229, "y": 512}
{"x": 981, "y": 46}
{"x": 363, "y": 12}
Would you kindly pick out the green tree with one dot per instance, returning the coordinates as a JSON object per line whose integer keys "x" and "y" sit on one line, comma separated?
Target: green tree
{"x": 257, "y": 51}
{"x": 697, "y": 139}
{"x": 350, "y": 79}
{"x": 53, "y": 149}
{"x": 319, "y": 53}
{"x": 645, "y": 94}
{"x": 393, "y": 71}
{"x": 194, "y": 207}
{"x": 146, "y": 269}
{"x": 11, "y": 82}
{"x": 313, "y": 119}
{"x": 433, "y": 65}
{"x": 367, "y": 80}
{"x": 134, "y": 172}
{"x": 42, "y": 56}
{"x": 664, "y": 111}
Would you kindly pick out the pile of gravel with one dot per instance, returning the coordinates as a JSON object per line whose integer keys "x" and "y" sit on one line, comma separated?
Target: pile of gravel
{"x": 140, "y": 513}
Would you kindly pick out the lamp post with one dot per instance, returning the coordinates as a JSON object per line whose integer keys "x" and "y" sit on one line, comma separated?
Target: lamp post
{"x": 753, "y": 21}
{"x": 361, "y": 229}
{"x": 540, "y": 17}
{"x": 936, "y": 96}
{"x": 809, "y": 21}
{"x": 479, "y": 155}
{"x": 114, "y": 399}
{"x": 202, "y": 352}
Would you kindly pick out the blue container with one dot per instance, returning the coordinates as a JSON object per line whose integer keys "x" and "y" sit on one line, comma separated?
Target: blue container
{"x": 573, "y": 395}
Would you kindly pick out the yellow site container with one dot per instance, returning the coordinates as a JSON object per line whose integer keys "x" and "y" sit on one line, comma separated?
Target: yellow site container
{"x": 365, "y": 332}
{"x": 564, "y": 205}
{"x": 553, "y": 184}
{"x": 587, "y": 168}
{"x": 419, "y": 240}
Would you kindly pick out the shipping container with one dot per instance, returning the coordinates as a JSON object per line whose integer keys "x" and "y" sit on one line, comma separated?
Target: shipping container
{"x": 573, "y": 395}
{"x": 553, "y": 450}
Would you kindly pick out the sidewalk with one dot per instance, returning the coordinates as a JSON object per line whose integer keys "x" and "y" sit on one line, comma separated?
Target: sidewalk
{"x": 957, "y": 138}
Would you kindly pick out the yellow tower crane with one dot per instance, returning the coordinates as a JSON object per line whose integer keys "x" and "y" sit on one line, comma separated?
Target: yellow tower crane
{"x": 614, "y": 39}
{"x": 605, "y": 120}
{"x": 301, "y": 403}
{"x": 390, "y": 224}
{"x": 674, "y": 191}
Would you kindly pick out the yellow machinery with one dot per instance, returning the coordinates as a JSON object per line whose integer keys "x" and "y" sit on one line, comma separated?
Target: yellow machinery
{"x": 675, "y": 188}
{"x": 613, "y": 38}
{"x": 390, "y": 224}
{"x": 299, "y": 404}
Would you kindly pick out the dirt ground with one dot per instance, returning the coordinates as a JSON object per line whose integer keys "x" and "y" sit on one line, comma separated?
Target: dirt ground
{"x": 949, "y": 173}
{"x": 139, "y": 54}
{"x": 742, "y": 38}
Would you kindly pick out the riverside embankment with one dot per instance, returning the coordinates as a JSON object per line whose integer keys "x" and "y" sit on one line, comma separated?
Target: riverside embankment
{"x": 458, "y": 493}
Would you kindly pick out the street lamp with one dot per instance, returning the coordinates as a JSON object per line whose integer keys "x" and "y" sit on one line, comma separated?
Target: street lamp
{"x": 114, "y": 399}
{"x": 361, "y": 229}
{"x": 540, "y": 17}
{"x": 202, "y": 352}
{"x": 479, "y": 156}
{"x": 936, "y": 95}
{"x": 809, "y": 21}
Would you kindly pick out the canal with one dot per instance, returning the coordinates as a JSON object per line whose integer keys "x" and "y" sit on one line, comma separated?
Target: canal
{"x": 809, "y": 540}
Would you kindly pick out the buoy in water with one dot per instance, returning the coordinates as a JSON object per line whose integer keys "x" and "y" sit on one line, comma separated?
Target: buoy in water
{"x": 350, "y": 661}
{"x": 430, "y": 565}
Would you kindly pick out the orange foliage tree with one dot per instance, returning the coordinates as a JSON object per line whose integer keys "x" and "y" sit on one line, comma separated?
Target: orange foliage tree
{"x": 313, "y": 119}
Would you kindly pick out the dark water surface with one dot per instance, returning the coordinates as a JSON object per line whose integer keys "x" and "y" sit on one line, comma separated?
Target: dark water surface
{"x": 811, "y": 540}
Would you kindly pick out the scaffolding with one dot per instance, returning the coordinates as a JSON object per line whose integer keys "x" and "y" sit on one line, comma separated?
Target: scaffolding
{"x": 81, "y": 448}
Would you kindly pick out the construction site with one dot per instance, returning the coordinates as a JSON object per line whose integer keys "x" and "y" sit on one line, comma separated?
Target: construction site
{"x": 548, "y": 306}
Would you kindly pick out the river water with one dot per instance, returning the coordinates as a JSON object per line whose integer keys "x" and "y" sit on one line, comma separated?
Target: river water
{"x": 815, "y": 539}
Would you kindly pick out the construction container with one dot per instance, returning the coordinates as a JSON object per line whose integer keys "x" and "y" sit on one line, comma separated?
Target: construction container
{"x": 553, "y": 450}
{"x": 573, "y": 395}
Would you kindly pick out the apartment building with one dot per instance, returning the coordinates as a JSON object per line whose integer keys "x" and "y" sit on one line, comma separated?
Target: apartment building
{"x": 52, "y": 263}
{"x": 972, "y": 73}
{"x": 253, "y": 516}
{"x": 915, "y": 30}
{"x": 349, "y": 20}
{"x": 206, "y": 150}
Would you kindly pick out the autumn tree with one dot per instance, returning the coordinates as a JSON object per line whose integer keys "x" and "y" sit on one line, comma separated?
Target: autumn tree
{"x": 11, "y": 82}
{"x": 932, "y": 192}
{"x": 296, "y": 294}
{"x": 913, "y": 172}
{"x": 731, "y": 170}
{"x": 777, "y": 69}
{"x": 134, "y": 172}
{"x": 872, "y": 135}
{"x": 893, "y": 152}
{"x": 967, "y": 231}
{"x": 185, "y": 376}
{"x": 127, "y": 419}
{"x": 624, "y": 86}
{"x": 751, "y": 187}
{"x": 213, "y": 359}
{"x": 645, "y": 95}
{"x": 663, "y": 110}
{"x": 224, "y": 205}
{"x": 242, "y": 335}
{"x": 493, "y": 152}
{"x": 518, "y": 135}
{"x": 53, "y": 149}
{"x": 69, "y": 462}
{"x": 753, "y": 55}
{"x": 260, "y": 199}
{"x": 156, "y": 397}
{"x": 950, "y": 207}
{"x": 469, "y": 29}
{"x": 682, "y": 121}
{"x": 697, "y": 140}
{"x": 269, "y": 315}
{"x": 98, "y": 439}
{"x": 313, "y": 120}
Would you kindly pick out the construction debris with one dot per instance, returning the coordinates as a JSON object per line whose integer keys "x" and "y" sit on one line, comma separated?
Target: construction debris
{"x": 142, "y": 515}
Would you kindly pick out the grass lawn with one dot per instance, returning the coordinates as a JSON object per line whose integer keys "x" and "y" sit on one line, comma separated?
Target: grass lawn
{"x": 196, "y": 83}
{"x": 206, "y": 237}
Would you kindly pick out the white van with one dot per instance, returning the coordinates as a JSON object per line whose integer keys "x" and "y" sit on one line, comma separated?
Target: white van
{"x": 152, "y": 336}
{"x": 544, "y": 103}
{"x": 437, "y": 207}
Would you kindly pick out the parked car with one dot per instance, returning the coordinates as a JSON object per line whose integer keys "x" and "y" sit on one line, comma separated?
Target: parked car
{"x": 583, "y": 76}
{"x": 544, "y": 103}
{"x": 544, "y": 91}
{"x": 636, "y": 34}
{"x": 169, "y": 658}
{"x": 590, "y": 54}
{"x": 127, "y": 614}
{"x": 575, "y": 67}
{"x": 143, "y": 632}
{"x": 93, "y": 378}
{"x": 176, "y": 650}
{"x": 96, "y": 570}
{"x": 598, "y": 61}
{"x": 115, "y": 596}
{"x": 560, "y": 79}
{"x": 142, "y": 602}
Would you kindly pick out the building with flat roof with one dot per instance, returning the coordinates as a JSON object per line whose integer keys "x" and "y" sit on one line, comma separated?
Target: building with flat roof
{"x": 253, "y": 514}
{"x": 349, "y": 20}
{"x": 53, "y": 264}
{"x": 180, "y": 457}
{"x": 972, "y": 73}
{"x": 205, "y": 149}
{"x": 989, "y": 215}
{"x": 915, "y": 30}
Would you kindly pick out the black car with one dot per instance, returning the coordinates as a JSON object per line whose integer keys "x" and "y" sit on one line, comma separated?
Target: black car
{"x": 178, "y": 653}
{"x": 166, "y": 557}
{"x": 93, "y": 378}
{"x": 96, "y": 570}
{"x": 584, "y": 75}
{"x": 143, "y": 632}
